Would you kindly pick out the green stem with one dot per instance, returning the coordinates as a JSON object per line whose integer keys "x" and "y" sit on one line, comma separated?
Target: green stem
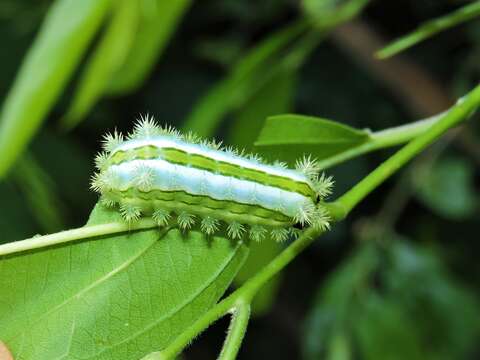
{"x": 338, "y": 210}
{"x": 240, "y": 296}
{"x": 74, "y": 234}
{"x": 382, "y": 139}
{"x": 430, "y": 28}
{"x": 236, "y": 332}
{"x": 455, "y": 115}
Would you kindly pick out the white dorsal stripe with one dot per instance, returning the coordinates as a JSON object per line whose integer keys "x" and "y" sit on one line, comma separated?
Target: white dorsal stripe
{"x": 172, "y": 177}
{"x": 168, "y": 142}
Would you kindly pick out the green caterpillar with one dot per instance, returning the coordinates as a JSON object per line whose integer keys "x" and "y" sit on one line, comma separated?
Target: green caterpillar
{"x": 158, "y": 172}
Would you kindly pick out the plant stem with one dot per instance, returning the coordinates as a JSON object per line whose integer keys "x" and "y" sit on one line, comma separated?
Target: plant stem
{"x": 430, "y": 28}
{"x": 382, "y": 139}
{"x": 455, "y": 115}
{"x": 74, "y": 234}
{"x": 240, "y": 296}
{"x": 236, "y": 331}
{"x": 338, "y": 209}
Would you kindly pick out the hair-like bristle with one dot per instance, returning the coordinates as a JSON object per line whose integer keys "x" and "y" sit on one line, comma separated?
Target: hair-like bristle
{"x": 255, "y": 158}
{"x": 101, "y": 182}
{"x": 96, "y": 183}
{"x": 280, "y": 164}
{"x": 230, "y": 150}
{"x": 192, "y": 138}
{"x": 321, "y": 219}
{"x": 101, "y": 161}
{"x": 145, "y": 127}
{"x": 211, "y": 144}
{"x": 112, "y": 140}
{"x": 170, "y": 131}
{"x": 295, "y": 233}
{"x": 104, "y": 181}
{"x": 308, "y": 166}
{"x": 235, "y": 230}
{"x": 144, "y": 177}
{"x": 305, "y": 214}
{"x": 130, "y": 212}
{"x": 323, "y": 185}
{"x": 185, "y": 220}
{"x": 279, "y": 234}
{"x": 257, "y": 233}
{"x": 209, "y": 225}
{"x": 161, "y": 217}
{"x": 107, "y": 202}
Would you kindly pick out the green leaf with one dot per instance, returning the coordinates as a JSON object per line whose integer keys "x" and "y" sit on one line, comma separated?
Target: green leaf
{"x": 108, "y": 57}
{"x": 56, "y": 52}
{"x": 114, "y": 297}
{"x": 385, "y": 331}
{"x": 274, "y": 97}
{"x": 158, "y": 23}
{"x": 431, "y": 28}
{"x": 447, "y": 188}
{"x": 249, "y": 75}
{"x": 289, "y": 136}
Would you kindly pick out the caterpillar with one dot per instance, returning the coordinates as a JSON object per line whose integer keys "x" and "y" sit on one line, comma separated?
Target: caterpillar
{"x": 156, "y": 171}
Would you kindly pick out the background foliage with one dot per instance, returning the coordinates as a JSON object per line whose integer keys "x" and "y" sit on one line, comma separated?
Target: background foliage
{"x": 398, "y": 279}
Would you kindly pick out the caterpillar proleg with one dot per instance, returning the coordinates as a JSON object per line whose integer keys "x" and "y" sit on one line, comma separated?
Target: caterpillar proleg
{"x": 156, "y": 171}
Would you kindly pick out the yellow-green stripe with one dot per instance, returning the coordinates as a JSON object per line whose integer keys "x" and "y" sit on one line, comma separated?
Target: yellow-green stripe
{"x": 200, "y": 202}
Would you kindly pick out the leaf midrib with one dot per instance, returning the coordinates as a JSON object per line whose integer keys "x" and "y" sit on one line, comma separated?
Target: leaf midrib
{"x": 175, "y": 309}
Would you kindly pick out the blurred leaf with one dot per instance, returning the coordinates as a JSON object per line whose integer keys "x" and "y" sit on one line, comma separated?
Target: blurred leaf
{"x": 57, "y": 50}
{"x": 393, "y": 302}
{"x": 445, "y": 312}
{"x": 385, "y": 331}
{"x": 222, "y": 51}
{"x": 336, "y": 301}
{"x": 157, "y": 25}
{"x": 431, "y": 28}
{"x": 447, "y": 188}
{"x": 117, "y": 297}
{"x": 339, "y": 348}
{"x": 289, "y": 136}
{"x": 108, "y": 57}
{"x": 328, "y": 13}
{"x": 249, "y": 75}
{"x": 40, "y": 193}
